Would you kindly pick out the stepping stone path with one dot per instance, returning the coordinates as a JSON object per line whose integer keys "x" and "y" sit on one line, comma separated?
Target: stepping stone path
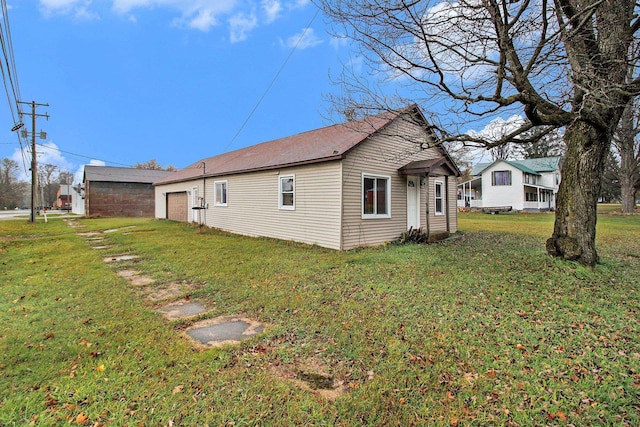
{"x": 205, "y": 334}
{"x": 182, "y": 309}
{"x": 223, "y": 330}
{"x": 120, "y": 258}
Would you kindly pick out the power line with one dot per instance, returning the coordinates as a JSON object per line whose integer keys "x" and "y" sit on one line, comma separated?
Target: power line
{"x": 284, "y": 64}
{"x": 82, "y": 155}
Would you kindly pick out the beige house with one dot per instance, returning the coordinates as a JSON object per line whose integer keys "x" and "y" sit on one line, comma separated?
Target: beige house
{"x": 359, "y": 183}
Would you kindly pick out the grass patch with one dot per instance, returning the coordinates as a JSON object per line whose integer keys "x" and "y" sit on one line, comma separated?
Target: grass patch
{"x": 482, "y": 329}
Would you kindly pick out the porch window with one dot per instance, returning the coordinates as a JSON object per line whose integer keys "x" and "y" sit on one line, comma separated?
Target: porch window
{"x": 439, "y": 197}
{"x": 220, "y": 193}
{"x": 287, "y": 192}
{"x": 501, "y": 178}
{"x": 376, "y": 196}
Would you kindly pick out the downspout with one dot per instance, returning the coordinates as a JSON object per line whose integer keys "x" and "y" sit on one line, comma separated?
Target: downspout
{"x": 426, "y": 175}
{"x": 447, "y": 206}
{"x": 203, "y": 220}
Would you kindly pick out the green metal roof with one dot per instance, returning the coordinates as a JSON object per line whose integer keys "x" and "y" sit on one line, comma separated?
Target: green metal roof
{"x": 532, "y": 166}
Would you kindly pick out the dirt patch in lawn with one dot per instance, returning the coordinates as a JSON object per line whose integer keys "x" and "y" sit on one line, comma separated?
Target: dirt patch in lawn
{"x": 168, "y": 291}
{"x": 313, "y": 376}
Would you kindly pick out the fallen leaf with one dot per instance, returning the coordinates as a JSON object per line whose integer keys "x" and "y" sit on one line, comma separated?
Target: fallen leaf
{"x": 178, "y": 389}
{"x": 561, "y": 416}
{"x": 521, "y": 347}
{"x": 100, "y": 368}
{"x": 81, "y": 419}
{"x": 491, "y": 373}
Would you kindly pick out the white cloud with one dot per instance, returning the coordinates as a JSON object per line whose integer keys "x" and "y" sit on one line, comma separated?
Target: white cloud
{"x": 498, "y": 128}
{"x": 339, "y": 42}
{"x": 240, "y": 25}
{"x": 79, "y": 9}
{"x": 203, "y": 20}
{"x": 241, "y": 16}
{"x": 47, "y": 153}
{"x": 78, "y": 176}
{"x": 272, "y": 9}
{"x": 302, "y": 40}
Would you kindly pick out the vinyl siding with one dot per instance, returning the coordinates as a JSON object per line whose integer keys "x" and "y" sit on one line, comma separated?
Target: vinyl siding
{"x": 162, "y": 190}
{"x": 503, "y": 195}
{"x": 382, "y": 154}
{"x": 438, "y": 223}
{"x": 253, "y": 205}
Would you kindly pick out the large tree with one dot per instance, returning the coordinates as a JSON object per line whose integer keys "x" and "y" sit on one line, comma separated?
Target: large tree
{"x": 562, "y": 63}
{"x": 626, "y": 146}
{"x": 10, "y": 195}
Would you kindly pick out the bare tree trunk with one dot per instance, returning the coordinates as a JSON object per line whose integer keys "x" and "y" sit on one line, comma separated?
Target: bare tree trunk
{"x": 574, "y": 233}
{"x": 626, "y": 146}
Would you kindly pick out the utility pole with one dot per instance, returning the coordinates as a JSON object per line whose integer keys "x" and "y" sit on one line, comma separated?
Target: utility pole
{"x": 34, "y": 160}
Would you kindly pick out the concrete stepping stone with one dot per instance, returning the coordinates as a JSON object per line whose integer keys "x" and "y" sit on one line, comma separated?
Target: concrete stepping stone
{"x": 135, "y": 277}
{"x": 113, "y": 230}
{"x": 120, "y": 258}
{"x": 164, "y": 294}
{"x": 89, "y": 233}
{"x": 141, "y": 280}
{"x": 127, "y": 273}
{"x": 101, "y": 247}
{"x": 182, "y": 309}
{"x": 223, "y": 330}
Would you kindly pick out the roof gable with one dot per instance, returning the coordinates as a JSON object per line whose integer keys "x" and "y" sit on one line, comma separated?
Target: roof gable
{"x": 319, "y": 145}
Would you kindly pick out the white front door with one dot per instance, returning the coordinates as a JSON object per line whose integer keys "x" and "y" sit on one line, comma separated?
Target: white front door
{"x": 413, "y": 202}
{"x": 194, "y": 203}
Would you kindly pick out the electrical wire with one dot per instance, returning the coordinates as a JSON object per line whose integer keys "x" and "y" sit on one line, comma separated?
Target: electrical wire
{"x": 264, "y": 94}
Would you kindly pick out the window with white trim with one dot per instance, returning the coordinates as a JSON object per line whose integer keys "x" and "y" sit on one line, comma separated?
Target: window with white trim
{"x": 439, "y": 197}
{"x": 220, "y": 193}
{"x": 376, "y": 196}
{"x": 287, "y": 190}
{"x": 501, "y": 177}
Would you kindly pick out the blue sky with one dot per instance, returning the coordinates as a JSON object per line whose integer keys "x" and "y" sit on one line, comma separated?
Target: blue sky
{"x": 172, "y": 80}
{"x": 132, "y": 80}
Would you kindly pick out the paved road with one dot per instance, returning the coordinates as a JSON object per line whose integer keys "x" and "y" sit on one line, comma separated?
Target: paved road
{"x": 23, "y": 214}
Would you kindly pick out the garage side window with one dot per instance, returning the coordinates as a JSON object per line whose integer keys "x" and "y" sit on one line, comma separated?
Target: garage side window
{"x": 220, "y": 196}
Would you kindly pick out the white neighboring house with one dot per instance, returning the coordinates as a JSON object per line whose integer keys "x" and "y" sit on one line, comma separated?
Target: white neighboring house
{"x": 77, "y": 199}
{"x": 521, "y": 185}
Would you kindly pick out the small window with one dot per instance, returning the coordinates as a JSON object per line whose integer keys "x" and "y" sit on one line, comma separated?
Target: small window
{"x": 439, "y": 197}
{"x": 220, "y": 197}
{"x": 376, "y": 196}
{"x": 501, "y": 178}
{"x": 287, "y": 192}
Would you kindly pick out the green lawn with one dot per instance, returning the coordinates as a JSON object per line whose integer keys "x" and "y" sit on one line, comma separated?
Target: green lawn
{"x": 482, "y": 329}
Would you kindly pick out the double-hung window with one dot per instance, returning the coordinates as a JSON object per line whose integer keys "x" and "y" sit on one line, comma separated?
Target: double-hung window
{"x": 287, "y": 190}
{"x": 376, "y": 196}
{"x": 501, "y": 178}
{"x": 439, "y": 197}
{"x": 220, "y": 193}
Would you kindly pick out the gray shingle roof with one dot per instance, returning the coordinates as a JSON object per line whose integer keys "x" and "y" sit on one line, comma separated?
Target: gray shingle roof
{"x": 118, "y": 174}
{"x": 325, "y": 144}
